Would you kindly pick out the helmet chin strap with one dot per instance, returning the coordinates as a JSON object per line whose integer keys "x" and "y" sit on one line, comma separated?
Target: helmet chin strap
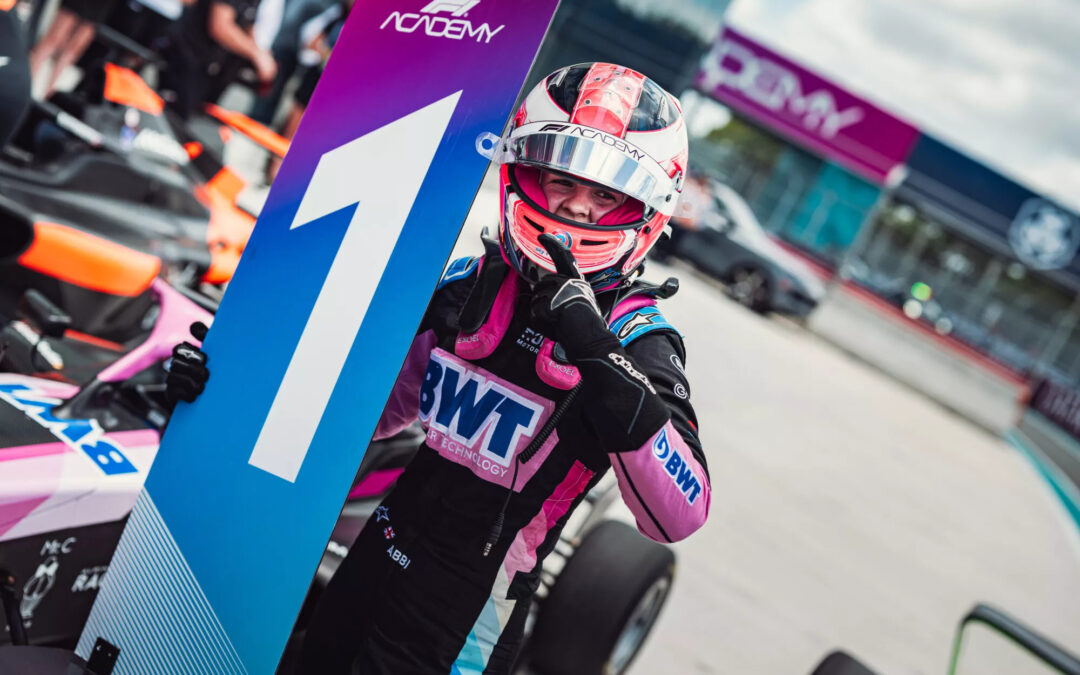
{"x": 621, "y": 280}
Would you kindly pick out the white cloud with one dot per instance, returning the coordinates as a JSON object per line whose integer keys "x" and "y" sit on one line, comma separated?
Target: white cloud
{"x": 703, "y": 114}
{"x": 999, "y": 79}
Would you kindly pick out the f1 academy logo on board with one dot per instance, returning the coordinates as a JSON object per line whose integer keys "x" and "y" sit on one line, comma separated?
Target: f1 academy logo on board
{"x": 431, "y": 20}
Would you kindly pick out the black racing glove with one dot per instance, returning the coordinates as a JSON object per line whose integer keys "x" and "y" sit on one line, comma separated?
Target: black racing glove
{"x": 564, "y": 307}
{"x": 187, "y": 370}
{"x": 620, "y": 401}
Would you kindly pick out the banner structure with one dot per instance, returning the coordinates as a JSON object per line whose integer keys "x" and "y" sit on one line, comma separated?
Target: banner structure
{"x": 781, "y": 95}
{"x": 225, "y": 537}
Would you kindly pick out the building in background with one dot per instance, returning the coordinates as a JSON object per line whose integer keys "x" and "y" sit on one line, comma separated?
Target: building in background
{"x": 665, "y": 40}
{"x": 996, "y": 261}
{"x": 811, "y": 158}
{"x": 958, "y": 246}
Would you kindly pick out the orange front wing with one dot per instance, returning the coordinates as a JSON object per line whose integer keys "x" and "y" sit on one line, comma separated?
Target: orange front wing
{"x": 230, "y": 226}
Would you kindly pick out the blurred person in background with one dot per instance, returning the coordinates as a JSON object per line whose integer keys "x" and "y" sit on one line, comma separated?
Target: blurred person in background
{"x": 148, "y": 22}
{"x": 212, "y": 43}
{"x": 317, "y": 37}
{"x": 303, "y": 22}
{"x": 268, "y": 21}
{"x": 14, "y": 72}
{"x": 67, "y": 37}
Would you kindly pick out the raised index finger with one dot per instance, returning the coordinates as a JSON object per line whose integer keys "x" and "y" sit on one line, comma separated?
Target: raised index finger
{"x": 560, "y": 255}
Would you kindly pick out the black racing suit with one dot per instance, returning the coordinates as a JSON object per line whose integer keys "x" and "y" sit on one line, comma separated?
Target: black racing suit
{"x": 199, "y": 69}
{"x": 416, "y": 594}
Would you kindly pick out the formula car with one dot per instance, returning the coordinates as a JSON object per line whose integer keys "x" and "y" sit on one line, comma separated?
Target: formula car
{"x": 73, "y": 459}
{"x": 109, "y": 158}
{"x": 99, "y": 291}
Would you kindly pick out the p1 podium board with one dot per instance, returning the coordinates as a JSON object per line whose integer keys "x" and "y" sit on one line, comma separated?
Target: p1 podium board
{"x": 226, "y": 535}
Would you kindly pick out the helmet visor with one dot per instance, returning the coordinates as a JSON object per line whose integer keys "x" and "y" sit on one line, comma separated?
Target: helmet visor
{"x": 595, "y": 156}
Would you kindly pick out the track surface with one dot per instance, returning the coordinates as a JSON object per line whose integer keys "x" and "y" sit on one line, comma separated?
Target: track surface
{"x": 847, "y": 511}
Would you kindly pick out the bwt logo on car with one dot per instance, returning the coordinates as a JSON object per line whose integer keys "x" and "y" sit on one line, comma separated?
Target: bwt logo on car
{"x": 676, "y": 467}
{"x": 456, "y": 28}
{"x": 466, "y": 406}
{"x": 85, "y": 436}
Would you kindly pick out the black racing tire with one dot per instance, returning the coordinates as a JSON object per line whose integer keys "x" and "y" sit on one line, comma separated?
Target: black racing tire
{"x": 841, "y": 663}
{"x": 603, "y": 605}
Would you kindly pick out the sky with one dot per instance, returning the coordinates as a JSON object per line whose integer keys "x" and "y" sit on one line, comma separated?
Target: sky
{"x": 998, "y": 79}
{"x": 704, "y": 17}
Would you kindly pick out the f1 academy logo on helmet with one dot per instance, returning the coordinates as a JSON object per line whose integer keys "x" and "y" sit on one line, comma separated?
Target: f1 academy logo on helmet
{"x": 431, "y": 20}
{"x": 594, "y": 134}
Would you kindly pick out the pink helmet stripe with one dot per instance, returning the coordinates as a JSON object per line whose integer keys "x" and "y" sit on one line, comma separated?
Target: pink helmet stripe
{"x": 608, "y": 98}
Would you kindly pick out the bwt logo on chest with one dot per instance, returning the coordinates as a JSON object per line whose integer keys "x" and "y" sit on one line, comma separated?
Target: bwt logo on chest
{"x": 476, "y": 411}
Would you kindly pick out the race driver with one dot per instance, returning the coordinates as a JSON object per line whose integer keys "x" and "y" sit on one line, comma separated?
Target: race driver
{"x": 538, "y": 367}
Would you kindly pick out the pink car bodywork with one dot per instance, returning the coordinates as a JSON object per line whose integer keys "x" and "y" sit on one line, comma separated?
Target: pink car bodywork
{"x": 58, "y": 485}
{"x": 84, "y": 475}
{"x": 71, "y": 481}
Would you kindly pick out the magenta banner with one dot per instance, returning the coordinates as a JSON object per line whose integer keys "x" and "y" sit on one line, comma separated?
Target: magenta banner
{"x": 808, "y": 109}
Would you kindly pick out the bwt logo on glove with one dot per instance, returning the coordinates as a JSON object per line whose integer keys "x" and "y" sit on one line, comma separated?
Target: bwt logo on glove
{"x": 473, "y": 409}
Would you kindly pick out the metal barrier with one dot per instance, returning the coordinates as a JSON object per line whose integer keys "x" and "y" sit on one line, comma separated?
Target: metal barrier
{"x": 1035, "y": 644}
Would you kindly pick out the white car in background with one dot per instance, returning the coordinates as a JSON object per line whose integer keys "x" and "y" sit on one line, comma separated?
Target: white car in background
{"x": 727, "y": 241}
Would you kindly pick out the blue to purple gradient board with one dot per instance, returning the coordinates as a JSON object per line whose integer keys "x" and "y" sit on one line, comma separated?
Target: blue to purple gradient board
{"x": 238, "y": 507}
